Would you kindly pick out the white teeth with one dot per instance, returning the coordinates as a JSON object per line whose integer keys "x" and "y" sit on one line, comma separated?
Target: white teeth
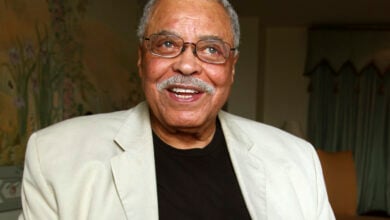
{"x": 181, "y": 90}
{"x": 183, "y": 96}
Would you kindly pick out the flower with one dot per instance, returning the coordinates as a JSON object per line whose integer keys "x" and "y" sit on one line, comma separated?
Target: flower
{"x": 29, "y": 51}
{"x": 14, "y": 56}
{"x": 20, "y": 102}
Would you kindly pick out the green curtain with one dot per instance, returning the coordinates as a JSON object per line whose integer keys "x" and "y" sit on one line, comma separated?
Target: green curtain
{"x": 350, "y": 110}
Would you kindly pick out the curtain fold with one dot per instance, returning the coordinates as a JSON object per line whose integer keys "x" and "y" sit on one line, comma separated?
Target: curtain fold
{"x": 349, "y": 110}
{"x": 369, "y": 147}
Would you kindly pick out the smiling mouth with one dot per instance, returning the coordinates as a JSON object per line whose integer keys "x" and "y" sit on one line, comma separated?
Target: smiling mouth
{"x": 184, "y": 93}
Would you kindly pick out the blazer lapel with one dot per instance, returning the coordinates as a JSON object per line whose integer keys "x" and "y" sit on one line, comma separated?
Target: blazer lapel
{"x": 249, "y": 169}
{"x": 134, "y": 169}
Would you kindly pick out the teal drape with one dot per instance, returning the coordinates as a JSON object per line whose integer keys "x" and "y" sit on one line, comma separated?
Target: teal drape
{"x": 350, "y": 110}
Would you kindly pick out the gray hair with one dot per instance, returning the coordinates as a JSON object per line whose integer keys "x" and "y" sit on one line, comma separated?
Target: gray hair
{"x": 235, "y": 25}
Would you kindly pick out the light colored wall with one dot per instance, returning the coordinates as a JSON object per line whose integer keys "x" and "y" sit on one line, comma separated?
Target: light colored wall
{"x": 243, "y": 97}
{"x": 285, "y": 87}
{"x": 269, "y": 83}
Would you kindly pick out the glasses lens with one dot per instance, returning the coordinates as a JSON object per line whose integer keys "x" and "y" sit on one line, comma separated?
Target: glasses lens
{"x": 169, "y": 46}
{"x": 212, "y": 51}
{"x": 165, "y": 45}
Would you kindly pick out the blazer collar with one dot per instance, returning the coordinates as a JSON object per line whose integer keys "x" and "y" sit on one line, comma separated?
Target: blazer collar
{"x": 136, "y": 130}
{"x": 249, "y": 168}
{"x": 134, "y": 169}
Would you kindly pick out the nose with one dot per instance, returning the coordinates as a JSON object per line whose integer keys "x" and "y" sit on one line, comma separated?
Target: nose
{"x": 187, "y": 63}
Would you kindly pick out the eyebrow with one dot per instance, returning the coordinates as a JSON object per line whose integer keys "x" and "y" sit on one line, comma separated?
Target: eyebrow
{"x": 166, "y": 32}
{"x": 211, "y": 37}
{"x": 204, "y": 37}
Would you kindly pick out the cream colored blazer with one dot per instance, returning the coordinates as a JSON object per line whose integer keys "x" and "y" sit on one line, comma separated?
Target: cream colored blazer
{"x": 101, "y": 167}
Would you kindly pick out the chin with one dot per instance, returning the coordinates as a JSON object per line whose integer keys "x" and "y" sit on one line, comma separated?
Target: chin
{"x": 186, "y": 122}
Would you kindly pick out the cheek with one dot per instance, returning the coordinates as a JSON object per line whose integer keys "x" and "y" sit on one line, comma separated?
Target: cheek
{"x": 221, "y": 78}
{"x": 154, "y": 70}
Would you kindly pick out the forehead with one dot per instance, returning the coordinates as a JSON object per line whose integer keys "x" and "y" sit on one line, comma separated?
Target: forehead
{"x": 190, "y": 19}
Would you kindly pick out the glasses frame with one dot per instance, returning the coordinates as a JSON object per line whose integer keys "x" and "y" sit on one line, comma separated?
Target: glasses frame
{"x": 183, "y": 48}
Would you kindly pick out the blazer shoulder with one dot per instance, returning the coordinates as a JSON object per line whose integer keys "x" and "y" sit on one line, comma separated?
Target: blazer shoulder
{"x": 268, "y": 139}
{"x": 258, "y": 129}
{"x": 82, "y": 125}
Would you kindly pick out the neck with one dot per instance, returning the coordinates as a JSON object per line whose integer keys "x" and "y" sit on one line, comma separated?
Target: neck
{"x": 185, "y": 138}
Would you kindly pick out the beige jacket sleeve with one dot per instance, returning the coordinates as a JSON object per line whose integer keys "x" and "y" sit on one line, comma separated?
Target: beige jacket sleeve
{"x": 38, "y": 200}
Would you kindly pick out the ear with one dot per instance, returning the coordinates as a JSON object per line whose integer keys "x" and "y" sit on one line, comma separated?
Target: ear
{"x": 235, "y": 59}
{"x": 139, "y": 61}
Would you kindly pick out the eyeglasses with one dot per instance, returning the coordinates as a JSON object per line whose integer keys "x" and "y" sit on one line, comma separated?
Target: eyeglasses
{"x": 170, "y": 46}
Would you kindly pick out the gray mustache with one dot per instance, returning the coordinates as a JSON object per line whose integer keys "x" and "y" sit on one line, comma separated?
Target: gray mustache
{"x": 187, "y": 81}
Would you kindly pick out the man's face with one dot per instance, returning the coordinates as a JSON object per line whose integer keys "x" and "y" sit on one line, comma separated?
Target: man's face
{"x": 186, "y": 107}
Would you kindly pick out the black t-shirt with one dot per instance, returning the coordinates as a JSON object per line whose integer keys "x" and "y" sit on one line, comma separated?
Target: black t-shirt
{"x": 197, "y": 184}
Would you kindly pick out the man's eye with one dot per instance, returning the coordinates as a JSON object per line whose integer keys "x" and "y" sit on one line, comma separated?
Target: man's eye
{"x": 168, "y": 44}
{"x": 211, "y": 50}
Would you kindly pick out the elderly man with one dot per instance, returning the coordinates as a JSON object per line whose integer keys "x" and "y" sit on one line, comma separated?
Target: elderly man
{"x": 175, "y": 156}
